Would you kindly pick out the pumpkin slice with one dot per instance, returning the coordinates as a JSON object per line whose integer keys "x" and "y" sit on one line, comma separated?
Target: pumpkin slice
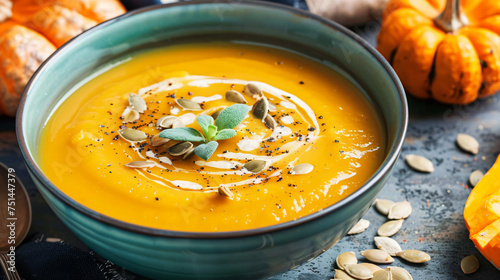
{"x": 488, "y": 242}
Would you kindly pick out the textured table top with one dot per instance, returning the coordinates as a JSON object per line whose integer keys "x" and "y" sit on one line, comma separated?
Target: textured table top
{"x": 436, "y": 224}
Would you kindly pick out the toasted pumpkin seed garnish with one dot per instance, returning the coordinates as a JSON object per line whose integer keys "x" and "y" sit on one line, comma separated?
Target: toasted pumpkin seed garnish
{"x": 359, "y": 227}
{"x": 225, "y": 191}
{"x": 260, "y": 108}
{"x": 166, "y": 121}
{"x": 346, "y": 258}
{"x": 187, "y": 104}
{"x": 178, "y": 122}
{"x": 383, "y": 206}
{"x": 399, "y": 273}
{"x": 420, "y": 163}
{"x": 140, "y": 164}
{"x": 358, "y": 271}
{"x": 377, "y": 256}
{"x": 414, "y": 256}
{"x": 252, "y": 90}
{"x": 270, "y": 122}
{"x": 236, "y": 97}
{"x": 130, "y": 115}
{"x": 383, "y": 274}
{"x": 188, "y": 154}
{"x": 255, "y": 166}
{"x": 187, "y": 185}
{"x": 469, "y": 264}
{"x": 156, "y": 141}
{"x": 133, "y": 135}
{"x": 180, "y": 148}
{"x": 137, "y": 103}
{"x": 475, "y": 177}
{"x": 390, "y": 228}
{"x": 387, "y": 244}
{"x": 340, "y": 274}
{"x": 216, "y": 113}
{"x": 372, "y": 267}
{"x": 301, "y": 169}
{"x": 400, "y": 210}
{"x": 468, "y": 143}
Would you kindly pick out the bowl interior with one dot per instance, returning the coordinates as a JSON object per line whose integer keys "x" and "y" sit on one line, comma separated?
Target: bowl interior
{"x": 288, "y": 28}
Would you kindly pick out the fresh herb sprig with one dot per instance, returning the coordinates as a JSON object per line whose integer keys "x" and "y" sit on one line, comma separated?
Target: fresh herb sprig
{"x": 213, "y": 131}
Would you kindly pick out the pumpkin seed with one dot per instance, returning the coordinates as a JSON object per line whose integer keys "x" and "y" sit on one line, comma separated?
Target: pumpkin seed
{"x": 270, "y": 122}
{"x": 236, "y": 97}
{"x": 166, "y": 121}
{"x": 260, "y": 108}
{"x": 383, "y": 206}
{"x": 187, "y": 185}
{"x": 469, "y": 264}
{"x": 468, "y": 143}
{"x": 400, "y": 210}
{"x": 130, "y": 115}
{"x": 358, "y": 271}
{"x": 359, "y": 227}
{"x": 133, "y": 135}
{"x": 137, "y": 103}
{"x": 252, "y": 90}
{"x": 420, "y": 163}
{"x": 340, "y": 274}
{"x": 387, "y": 244}
{"x": 377, "y": 256}
{"x": 475, "y": 177}
{"x": 346, "y": 258}
{"x": 414, "y": 256}
{"x": 255, "y": 166}
{"x": 216, "y": 113}
{"x": 399, "y": 273}
{"x": 383, "y": 274}
{"x": 301, "y": 169}
{"x": 372, "y": 267}
{"x": 180, "y": 148}
{"x": 140, "y": 164}
{"x": 188, "y": 154}
{"x": 390, "y": 228}
{"x": 156, "y": 141}
{"x": 178, "y": 122}
{"x": 272, "y": 107}
{"x": 225, "y": 191}
{"x": 187, "y": 104}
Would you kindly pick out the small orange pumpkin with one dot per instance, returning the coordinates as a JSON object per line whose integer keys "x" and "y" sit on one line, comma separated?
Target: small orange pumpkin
{"x": 31, "y": 30}
{"x": 440, "y": 52}
{"x": 482, "y": 215}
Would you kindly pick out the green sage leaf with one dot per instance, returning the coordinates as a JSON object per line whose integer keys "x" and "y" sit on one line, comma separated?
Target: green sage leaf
{"x": 212, "y": 131}
{"x": 183, "y": 134}
{"x": 225, "y": 134}
{"x": 205, "y": 151}
{"x": 205, "y": 121}
{"x": 230, "y": 117}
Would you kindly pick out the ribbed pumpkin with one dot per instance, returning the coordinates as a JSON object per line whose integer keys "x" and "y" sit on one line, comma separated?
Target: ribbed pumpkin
{"x": 448, "y": 50}
{"x": 31, "y": 30}
{"x": 482, "y": 215}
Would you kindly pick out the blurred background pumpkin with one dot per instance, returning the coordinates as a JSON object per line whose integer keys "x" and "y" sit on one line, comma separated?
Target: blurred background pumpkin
{"x": 30, "y": 30}
{"x": 448, "y": 50}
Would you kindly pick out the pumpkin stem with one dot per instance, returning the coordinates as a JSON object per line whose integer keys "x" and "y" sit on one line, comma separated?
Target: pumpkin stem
{"x": 452, "y": 18}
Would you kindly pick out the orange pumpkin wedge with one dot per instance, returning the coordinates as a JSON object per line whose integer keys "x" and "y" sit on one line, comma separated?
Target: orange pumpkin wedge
{"x": 482, "y": 215}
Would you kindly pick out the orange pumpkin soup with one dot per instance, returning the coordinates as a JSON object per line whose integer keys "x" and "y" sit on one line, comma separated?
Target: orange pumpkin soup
{"x": 316, "y": 139}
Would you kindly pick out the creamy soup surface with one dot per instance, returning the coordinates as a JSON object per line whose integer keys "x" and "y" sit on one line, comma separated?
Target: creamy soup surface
{"x": 322, "y": 141}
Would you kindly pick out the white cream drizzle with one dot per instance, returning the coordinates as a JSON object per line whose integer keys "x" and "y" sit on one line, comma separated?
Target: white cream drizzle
{"x": 203, "y": 99}
{"x": 287, "y": 119}
{"x": 221, "y": 164}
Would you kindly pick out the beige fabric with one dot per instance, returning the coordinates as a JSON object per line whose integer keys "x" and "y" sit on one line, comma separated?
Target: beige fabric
{"x": 5, "y": 10}
{"x": 348, "y": 12}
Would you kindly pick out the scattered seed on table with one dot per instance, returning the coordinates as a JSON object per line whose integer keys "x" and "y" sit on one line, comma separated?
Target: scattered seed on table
{"x": 414, "y": 256}
{"x": 420, "y": 163}
{"x": 359, "y": 227}
{"x": 346, "y": 258}
{"x": 469, "y": 264}
{"x": 377, "y": 256}
{"x": 400, "y": 210}
{"x": 468, "y": 143}
{"x": 475, "y": 177}
{"x": 387, "y": 244}
{"x": 390, "y": 228}
{"x": 383, "y": 205}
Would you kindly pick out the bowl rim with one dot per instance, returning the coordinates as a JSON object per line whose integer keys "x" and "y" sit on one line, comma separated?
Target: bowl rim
{"x": 382, "y": 171}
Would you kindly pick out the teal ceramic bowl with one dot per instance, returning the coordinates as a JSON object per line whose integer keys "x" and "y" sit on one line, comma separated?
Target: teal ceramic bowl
{"x": 248, "y": 254}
